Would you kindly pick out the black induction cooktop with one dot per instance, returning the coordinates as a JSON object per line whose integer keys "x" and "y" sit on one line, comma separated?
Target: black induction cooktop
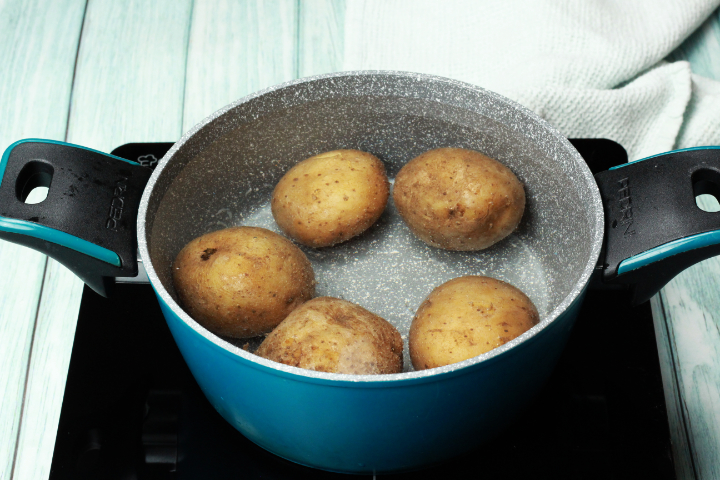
{"x": 132, "y": 410}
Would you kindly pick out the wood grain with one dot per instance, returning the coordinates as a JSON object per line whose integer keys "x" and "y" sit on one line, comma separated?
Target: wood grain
{"x": 130, "y": 73}
{"x": 128, "y": 87}
{"x": 321, "y": 37}
{"x": 689, "y": 304}
{"x": 37, "y": 47}
{"x": 57, "y": 315}
{"x": 682, "y": 456}
{"x": 237, "y": 48}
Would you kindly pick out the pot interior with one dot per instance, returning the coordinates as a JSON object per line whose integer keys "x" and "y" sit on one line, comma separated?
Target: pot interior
{"x": 223, "y": 173}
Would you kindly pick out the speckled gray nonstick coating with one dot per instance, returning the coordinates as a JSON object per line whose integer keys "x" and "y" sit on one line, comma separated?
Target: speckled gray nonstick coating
{"x": 223, "y": 171}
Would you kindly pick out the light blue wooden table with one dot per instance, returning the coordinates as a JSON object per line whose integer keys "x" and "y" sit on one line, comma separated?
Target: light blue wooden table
{"x": 105, "y": 72}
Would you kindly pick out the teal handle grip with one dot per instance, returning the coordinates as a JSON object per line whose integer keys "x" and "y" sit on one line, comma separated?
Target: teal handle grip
{"x": 668, "y": 250}
{"x": 41, "y": 232}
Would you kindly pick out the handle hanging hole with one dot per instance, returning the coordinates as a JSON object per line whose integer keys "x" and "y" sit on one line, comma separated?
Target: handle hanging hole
{"x": 33, "y": 183}
{"x": 706, "y": 188}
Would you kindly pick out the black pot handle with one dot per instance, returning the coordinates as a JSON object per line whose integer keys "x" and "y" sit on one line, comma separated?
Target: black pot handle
{"x": 88, "y": 221}
{"x": 653, "y": 226}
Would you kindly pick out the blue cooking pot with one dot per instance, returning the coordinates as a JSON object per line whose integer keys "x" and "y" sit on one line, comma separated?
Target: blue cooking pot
{"x": 100, "y": 210}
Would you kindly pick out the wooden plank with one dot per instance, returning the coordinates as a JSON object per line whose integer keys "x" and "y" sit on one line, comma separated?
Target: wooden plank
{"x": 38, "y": 47}
{"x": 681, "y": 453}
{"x": 131, "y": 70}
{"x": 48, "y": 371}
{"x": 321, "y": 37}
{"x": 128, "y": 87}
{"x": 236, "y": 48}
{"x": 693, "y": 332}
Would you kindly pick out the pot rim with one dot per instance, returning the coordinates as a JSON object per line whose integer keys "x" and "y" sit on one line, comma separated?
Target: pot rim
{"x": 304, "y": 374}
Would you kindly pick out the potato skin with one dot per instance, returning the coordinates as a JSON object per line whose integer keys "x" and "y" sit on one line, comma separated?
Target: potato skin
{"x": 466, "y": 317}
{"x": 242, "y": 281}
{"x": 458, "y": 199}
{"x": 327, "y": 334}
{"x": 331, "y": 197}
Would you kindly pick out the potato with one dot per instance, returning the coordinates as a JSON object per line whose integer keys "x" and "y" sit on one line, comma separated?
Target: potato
{"x": 466, "y": 317}
{"x": 242, "y": 281}
{"x": 332, "y": 335}
{"x": 458, "y": 199}
{"x": 331, "y": 197}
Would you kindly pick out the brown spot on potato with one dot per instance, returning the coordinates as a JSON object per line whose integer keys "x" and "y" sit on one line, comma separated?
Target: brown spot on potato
{"x": 207, "y": 253}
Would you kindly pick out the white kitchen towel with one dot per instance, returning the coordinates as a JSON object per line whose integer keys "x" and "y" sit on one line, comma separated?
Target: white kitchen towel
{"x": 702, "y": 116}
{"x": 591, "y": 68}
